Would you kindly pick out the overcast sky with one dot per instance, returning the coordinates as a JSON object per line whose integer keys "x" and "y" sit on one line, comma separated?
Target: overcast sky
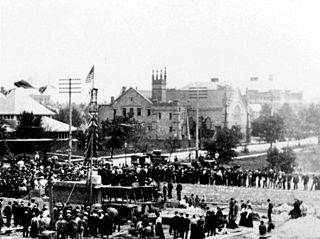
{"x": 43, "y": 41}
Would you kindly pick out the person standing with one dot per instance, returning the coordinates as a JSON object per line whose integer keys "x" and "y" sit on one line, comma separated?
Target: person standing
{"x": 174, "y": 225}
{"x": 179, "y": 189}
{"x": 164, "y": 191}
{"x": 270, "y": 207}
{"x": 186, "y": 226}
{"x": 61, "y": 228}
{"x": 305, "y": 179}
{"x": 108, "y": 223}
{"x": 158, "y": 226}
{"x": 8, "y": 213}
{"x": 15, "y": 213}
{"x": 170, "y": 188}
{"x": 289, "y": 178}
{"x": 295, "y": 182}
{"x": 34, "y": 229}
{"x": 231, "y": 207}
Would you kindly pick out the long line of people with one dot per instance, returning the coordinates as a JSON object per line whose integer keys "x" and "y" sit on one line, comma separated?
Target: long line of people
{"x": 16, "y": 180}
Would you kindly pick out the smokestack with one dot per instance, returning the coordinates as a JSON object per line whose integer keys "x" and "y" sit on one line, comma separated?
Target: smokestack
{"x": 123, "y": 89}
{"x": 112, "y": 99}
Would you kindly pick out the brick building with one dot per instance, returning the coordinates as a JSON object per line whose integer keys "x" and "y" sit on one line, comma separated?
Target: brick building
{"x": 169, "y": 112}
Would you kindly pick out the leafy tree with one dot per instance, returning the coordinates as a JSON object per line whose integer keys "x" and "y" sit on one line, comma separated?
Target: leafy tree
{"x": 139, "y": 142}
{"x": 172, "y": 144}
{"x": 29, "y": 126}
{"x": 224, "y": 144}
{"x": 270, "y": 128}
{"x": 118, "y": 131}
{"x": 3, "y": 135}
{"x": 283, "y": 160}
{"x": 81, "y": 137}
{"x": 77, "y": 116}
{"x": 291, "y": 122}
{"x": 266, "y": 110}
{"x": 312, "y": 120}
{"x": 205, "y": 130}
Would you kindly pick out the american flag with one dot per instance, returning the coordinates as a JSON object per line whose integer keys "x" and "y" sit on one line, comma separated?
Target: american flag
{"x": 90, "y": 75}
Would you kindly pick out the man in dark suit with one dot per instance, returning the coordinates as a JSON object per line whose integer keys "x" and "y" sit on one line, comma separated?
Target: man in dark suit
{"x": 174, "y": 225}
{"x": 8, "y": 213}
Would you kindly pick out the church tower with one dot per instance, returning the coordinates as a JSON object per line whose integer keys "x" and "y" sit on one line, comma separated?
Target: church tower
{"x": 159, "y": 84}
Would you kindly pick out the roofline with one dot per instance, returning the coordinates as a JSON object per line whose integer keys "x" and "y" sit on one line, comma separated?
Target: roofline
{"x": 149, "y": 101}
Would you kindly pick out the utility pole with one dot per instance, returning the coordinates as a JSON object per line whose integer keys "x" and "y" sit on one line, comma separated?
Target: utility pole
{"x": 197, "y": 93}
{"x": 225, "y": 123}
{"x": 70, "y": 86}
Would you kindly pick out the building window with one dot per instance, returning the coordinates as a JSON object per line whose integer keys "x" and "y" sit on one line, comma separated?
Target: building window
{"x": 148, "y": 112}
{"x": 131, "y": 99}
{"x": 170, "y": 129}
{"x": 159, "y": 115}
{"x": 124, "y": 111}
{"x": 170, "y": 116}
{"x": 138, "y": 111}
{"x": 114, "y": 113}
{"x": 149, "y": 128}
{"x": 131, "y": 112}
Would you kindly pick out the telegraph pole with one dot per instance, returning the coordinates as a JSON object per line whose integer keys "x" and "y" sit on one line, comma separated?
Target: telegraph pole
{"x": 225, "y": 123}
{"x": 70, "y": 86}
{"x": 197, "y": 93}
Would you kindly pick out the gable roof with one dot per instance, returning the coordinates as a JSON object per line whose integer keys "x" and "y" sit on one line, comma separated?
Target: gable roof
{"x": 52, "y": 125}
{"x": 18, "y": 101}
{"x": 136, "y": 91}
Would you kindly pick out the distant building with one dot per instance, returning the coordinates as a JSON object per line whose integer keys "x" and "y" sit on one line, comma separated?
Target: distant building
{"x": 17, "y": 101}
{"x": 169, "y": 112}
{"x": 276, "y": 98}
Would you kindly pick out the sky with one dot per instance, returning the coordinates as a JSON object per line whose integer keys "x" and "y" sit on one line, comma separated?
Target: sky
{"x": 233, "y": 40}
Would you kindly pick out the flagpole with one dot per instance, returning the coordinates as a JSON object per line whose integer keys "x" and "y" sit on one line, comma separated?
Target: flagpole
{"x": 93, "y": 78}
{"x": 91, "y": 162}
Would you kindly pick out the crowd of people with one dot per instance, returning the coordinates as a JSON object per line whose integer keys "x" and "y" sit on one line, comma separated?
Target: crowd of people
{"x": 77, "y": 222}
{"x": 17, "y": 179}
{"x": 73, "y": 222}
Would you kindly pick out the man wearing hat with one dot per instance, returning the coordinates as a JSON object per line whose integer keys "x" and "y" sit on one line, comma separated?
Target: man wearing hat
{"x": 61, "y": 228}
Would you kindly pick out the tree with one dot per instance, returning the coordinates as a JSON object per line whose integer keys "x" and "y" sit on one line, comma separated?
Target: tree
{"x": 281, "y": 160}
{"x": 29, "y": 126}
{"x": 270, "y": 128}
{"x": 139, "y": 142}
{"x": 205, "y": 130}
{"x": 77, "y": 116}
{"x": 3, "y": 135}
{"x": 224, "y": 144}
{"x": 312, "y": 120}
{"x": 118, "y": 131}
{"x": 291, "y": 122}
{"x": 172, "y": 144}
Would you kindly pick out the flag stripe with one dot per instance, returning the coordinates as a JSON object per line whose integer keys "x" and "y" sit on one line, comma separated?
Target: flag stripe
{"x": 90, "y": 75}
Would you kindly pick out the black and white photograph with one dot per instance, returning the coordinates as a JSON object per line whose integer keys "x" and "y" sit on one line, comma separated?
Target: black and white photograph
{"x": 159, "y": 119}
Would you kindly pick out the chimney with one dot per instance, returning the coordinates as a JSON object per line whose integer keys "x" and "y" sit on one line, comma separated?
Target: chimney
{"x": 112, "y": 99}
{"x": 214, "y": 79}
{"x": 123, "y": 89}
